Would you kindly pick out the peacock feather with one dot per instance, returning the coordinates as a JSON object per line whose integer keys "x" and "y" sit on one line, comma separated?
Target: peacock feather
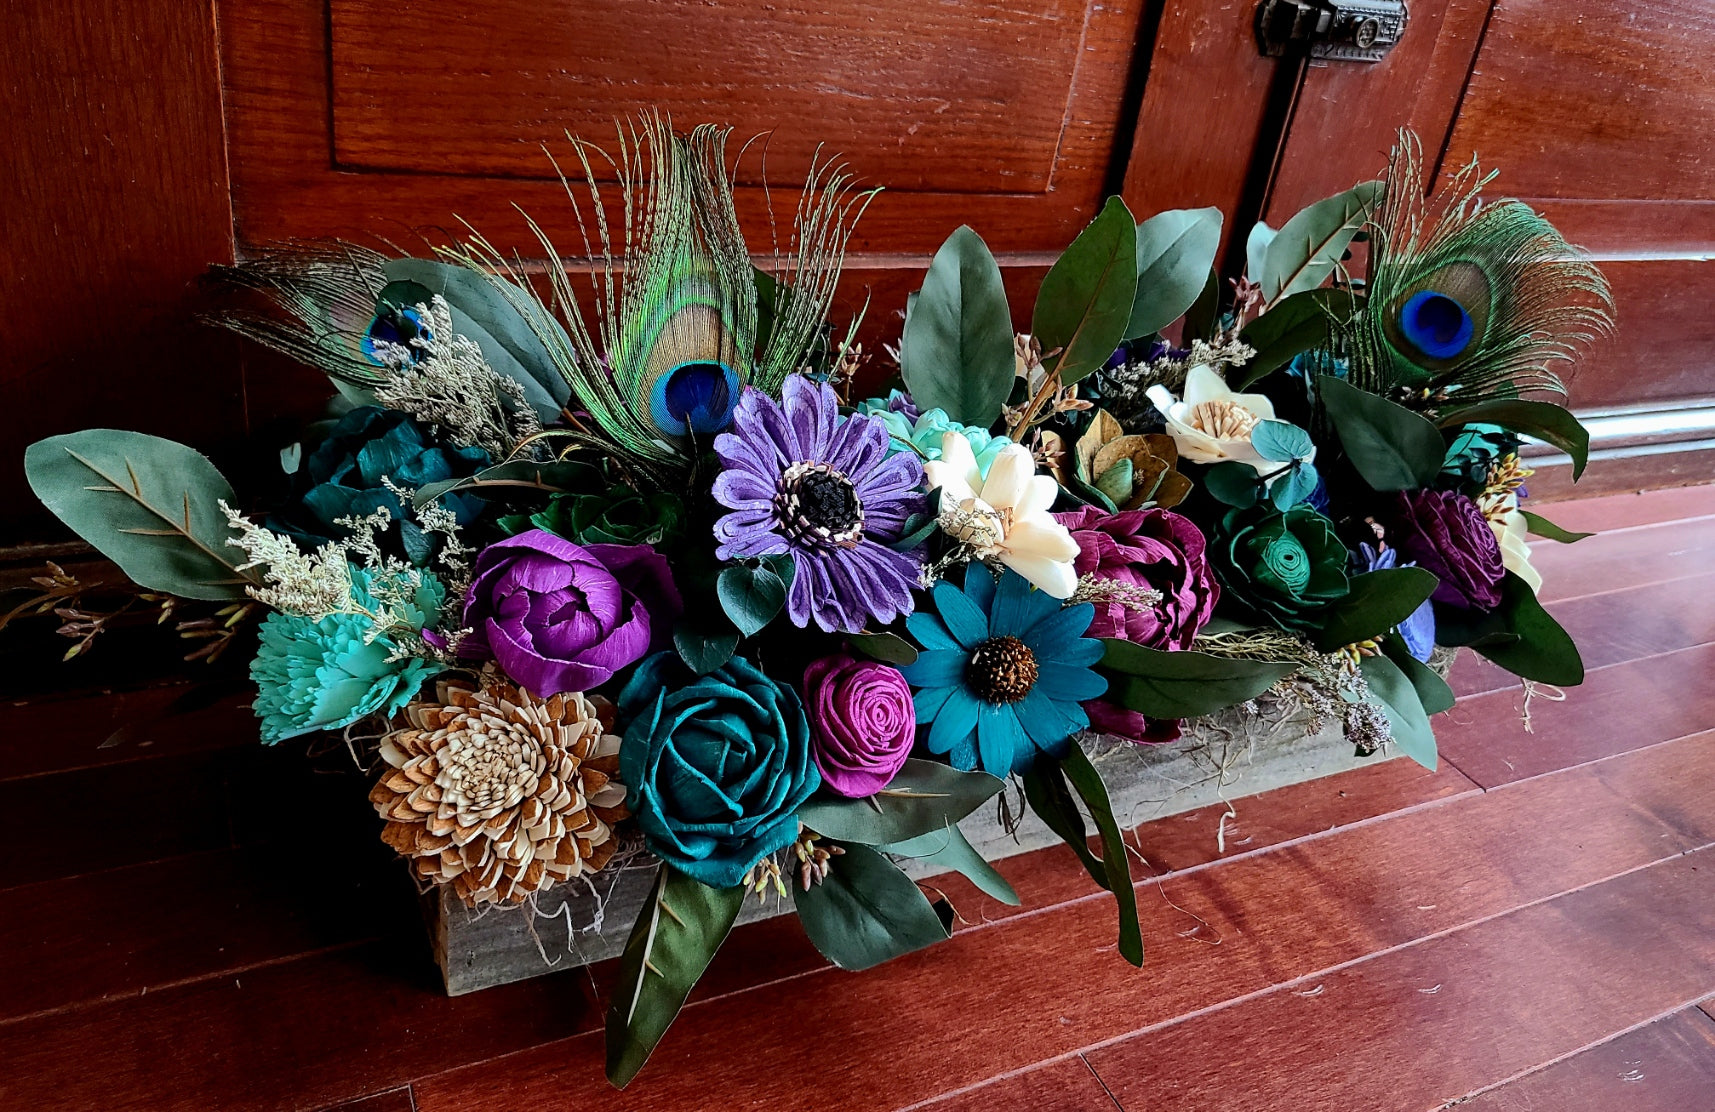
{"x": 1468, "y": 301}
{"x": 673, "y": 338}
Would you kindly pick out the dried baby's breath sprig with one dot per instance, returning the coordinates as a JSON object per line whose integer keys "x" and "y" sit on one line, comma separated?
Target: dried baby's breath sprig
{"x": 1125, "y": 388}
{"x": 442, "y": 379}
{"x": 1132, "y": 596}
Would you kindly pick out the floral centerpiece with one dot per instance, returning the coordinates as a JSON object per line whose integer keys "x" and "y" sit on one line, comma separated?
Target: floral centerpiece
{"x": 658, "y": 584}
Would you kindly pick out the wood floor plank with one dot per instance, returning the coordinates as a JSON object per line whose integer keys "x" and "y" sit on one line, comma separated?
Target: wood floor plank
{"x": 46, "y": 736}
{"x": 1621, "y": 511}
{"x": 1625, "y": 558}
{"x": 1616, "y": 709}
{"x": 1666, "y": 1066}
{"x": 1423, "y": 1026}
{"x": 394, "y": 1100}
{"x": 1064, "y": 1086}
{"x": 1011, "y": 994}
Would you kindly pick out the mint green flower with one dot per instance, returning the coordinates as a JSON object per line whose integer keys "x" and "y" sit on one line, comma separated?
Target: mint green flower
{"x": 924, "y": 434}
{"x": 321, "y": 674}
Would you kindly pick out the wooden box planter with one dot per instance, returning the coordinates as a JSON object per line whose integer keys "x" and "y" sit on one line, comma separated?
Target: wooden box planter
{"x": 1237, "y": 752}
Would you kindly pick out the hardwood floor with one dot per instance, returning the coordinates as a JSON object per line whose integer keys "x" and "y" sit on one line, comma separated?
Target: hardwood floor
{"x": 193, "y": 922}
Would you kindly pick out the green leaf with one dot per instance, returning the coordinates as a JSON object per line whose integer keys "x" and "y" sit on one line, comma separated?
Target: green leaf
{"x": 1175, "y": 254}
{"x": 1308, "y": 248}
{"x": 1392, "y": 447}
{"x": 1378, "y": 601}
{"x": 948, "y": 849}
{"x": 1088, "y": 784}
{"x": 1281, "y": 441}
{"x": 1547, "y": 422}
{"x": 1398, "y": 698}
{"x": 956, "y": 351}
{"x": 682, "y": 924}
{"x": 1184, "y": 684}
{"x": 923, "y": 797}
{"x": 889, "y": 648}
{"x": 1518, "y": 634}
{"x": 1048, "y": 794}
{"x": 1086, "y": 298}
{"x": 152, "y": 506}
{"x": 1203, "y": 319}
{"x": 1294, "y": 486}
{"x": 1233, "y": 483}
{"x": 1432, "y": 690}
{"x": 1546, "y": 529}
{"x": 704, "y": 646}
{"x": 751, "y": 597}
{"x": 1256, "y": 250}
{"x": 866, "y": 911}
{"x": 481, "y": 312}
{"x": 1293, "y": 326}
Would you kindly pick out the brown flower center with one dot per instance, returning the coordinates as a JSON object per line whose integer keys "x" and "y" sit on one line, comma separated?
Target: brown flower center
{"x": 817, "y": 505}
{"x": 1001, "y": 670}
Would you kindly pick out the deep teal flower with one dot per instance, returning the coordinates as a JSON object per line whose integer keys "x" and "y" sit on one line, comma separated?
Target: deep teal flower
{"x": 924, "y": 432}
{"x": 715, "y": 766}
{"x": 1002, "y": 672}
{"x": 327, "y": 673}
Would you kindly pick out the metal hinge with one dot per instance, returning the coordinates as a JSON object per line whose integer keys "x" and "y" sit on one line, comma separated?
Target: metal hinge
{"x": 1347, "y": 30}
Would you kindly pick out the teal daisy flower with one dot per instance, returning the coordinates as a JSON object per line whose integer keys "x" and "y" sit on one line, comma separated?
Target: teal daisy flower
{"x": 923, "y": 432}
{"x": 1003, "y": 670}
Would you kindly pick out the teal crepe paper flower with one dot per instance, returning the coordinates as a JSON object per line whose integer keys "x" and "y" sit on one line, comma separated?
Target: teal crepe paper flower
{"x": 326, "y": 673}
{"x": 1003, "y": 670}
{"x": 715, "y": 766}
{"x": 924, "y": 433}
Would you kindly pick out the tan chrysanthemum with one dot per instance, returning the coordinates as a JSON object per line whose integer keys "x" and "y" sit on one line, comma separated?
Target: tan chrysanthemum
{"x": 501, "y": 794}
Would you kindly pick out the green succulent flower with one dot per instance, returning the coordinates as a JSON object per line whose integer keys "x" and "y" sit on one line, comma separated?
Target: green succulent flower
{"x": 325, "y": 673}
{"x": 1284, "y": 566}
{"x": 607, "y": 515}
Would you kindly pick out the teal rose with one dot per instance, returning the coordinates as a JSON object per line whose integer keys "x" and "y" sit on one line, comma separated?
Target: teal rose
{"x": 715, "y": 766}
{"x": 1284, "y": 567}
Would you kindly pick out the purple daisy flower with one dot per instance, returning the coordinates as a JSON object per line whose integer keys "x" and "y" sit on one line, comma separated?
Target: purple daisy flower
{"x": 802, "y": 480}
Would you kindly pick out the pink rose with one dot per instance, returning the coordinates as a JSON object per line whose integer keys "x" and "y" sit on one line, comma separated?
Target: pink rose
{"x": 862, "y": 721}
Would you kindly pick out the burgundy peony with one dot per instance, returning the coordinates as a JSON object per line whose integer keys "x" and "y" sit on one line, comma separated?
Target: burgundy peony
{"x": 861, "y": 723}
{"x": 1154, "y": 549}
{"x": 1157, "y": 550}
{"x": 558, "y": 616}
{"x": 1445, "y": 532}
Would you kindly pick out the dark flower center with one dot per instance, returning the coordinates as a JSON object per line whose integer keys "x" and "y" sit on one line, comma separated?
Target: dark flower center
{"x": 819, "y": 506}
{"x": 1001, "y": 670}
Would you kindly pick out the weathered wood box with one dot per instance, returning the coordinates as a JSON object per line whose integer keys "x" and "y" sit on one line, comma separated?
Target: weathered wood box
{"x": 1239, "y": 752}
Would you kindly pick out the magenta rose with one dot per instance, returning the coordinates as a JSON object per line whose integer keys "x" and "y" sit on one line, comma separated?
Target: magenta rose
{"x": 1444, "y": 531}
{"x": 861, "y": 723}
{"x": 558, "y": 616}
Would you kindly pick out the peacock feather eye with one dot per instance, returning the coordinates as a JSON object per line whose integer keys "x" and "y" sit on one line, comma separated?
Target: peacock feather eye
{"x": 695, "y": 397}
{"x": 396, "y": 326}
{"x": 1436, "y": 324}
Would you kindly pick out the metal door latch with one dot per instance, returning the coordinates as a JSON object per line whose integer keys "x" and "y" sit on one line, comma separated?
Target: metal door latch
{"x": 1347, "y": 30}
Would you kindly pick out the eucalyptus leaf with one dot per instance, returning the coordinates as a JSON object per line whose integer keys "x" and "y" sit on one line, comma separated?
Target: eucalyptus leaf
{"x": 956, "y": 351}
{"x": 1203, "y": 319}
{"x": 865, "y": 911}
{"x": 1432, "y": 691}
{"x": 682, "y": 924}
{"x": 751, "y": 597}
{"x": 1391, "y": 447}
{"x": 704, "y": 645}
{"x": 1542, "y": 527}
{"x": 924, "y": 796}
{"x": 1308, "y": 248}
{"x": 1399, "y": 701}
{"x": 150, "y": 505}
{"x": 1184, "y": 684}
{"x": 1085, "y": 301}
{"x": 1291, "y": 327}
{"x": 1547, "y": 422}
{"x": 1281, "y": 441}
{"x": 948, "y": 849}
{"x": 1048, "y": 794}
{"x": 889, "y": 648}
{"x": 1377, "y": 602}
{"x": 1294, "y": 486}
{"x": 1087, "y": 782}
{"x": 1531, "y": 644}
{"x": 1175, "y": 254}
{"x": 1256, "y": 250}
{"x": 1233, "y": 484}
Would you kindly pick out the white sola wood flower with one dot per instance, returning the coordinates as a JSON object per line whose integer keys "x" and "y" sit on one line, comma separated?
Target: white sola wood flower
{"x": 1210, "y": 423}
{"x": 1005, "y": 515}
{"x": 1504, "y": 517}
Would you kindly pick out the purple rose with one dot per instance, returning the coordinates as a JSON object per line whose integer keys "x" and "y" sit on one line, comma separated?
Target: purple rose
{"x": 558, "y": 616}
{"x": 862, "y": 721}
{"x": 1157, "y": 550}
{"x": 1445, "y": 532}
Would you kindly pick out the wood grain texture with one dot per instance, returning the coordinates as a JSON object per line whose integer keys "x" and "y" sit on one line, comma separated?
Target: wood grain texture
{"x": 1624, "y": 559}
{"x": 1277, "y": 916}
{"x": 1424, "y": 1025}
{"x": 1064, "y": 1086}
{"x": 58, "y": 735}
{"x": 1660, "y": 348}
{"x": 393, "y": 1100}
{"x": 114, "y": 185}
{"x": 1666, "y": 1066}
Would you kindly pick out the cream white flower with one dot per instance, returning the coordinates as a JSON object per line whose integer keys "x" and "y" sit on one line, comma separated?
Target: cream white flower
{"x": 1005, "y": 516}
{"x": 1211, "y": 424}
{"x": 1504, "y": 518}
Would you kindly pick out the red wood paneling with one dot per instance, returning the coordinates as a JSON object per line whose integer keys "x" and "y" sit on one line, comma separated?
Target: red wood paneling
{"x": 1666, "y": 1066}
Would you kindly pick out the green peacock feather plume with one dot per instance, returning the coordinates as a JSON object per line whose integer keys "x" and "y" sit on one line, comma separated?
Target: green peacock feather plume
{"x": 675, "y": 332}
{"x": 1468, "y": 301}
